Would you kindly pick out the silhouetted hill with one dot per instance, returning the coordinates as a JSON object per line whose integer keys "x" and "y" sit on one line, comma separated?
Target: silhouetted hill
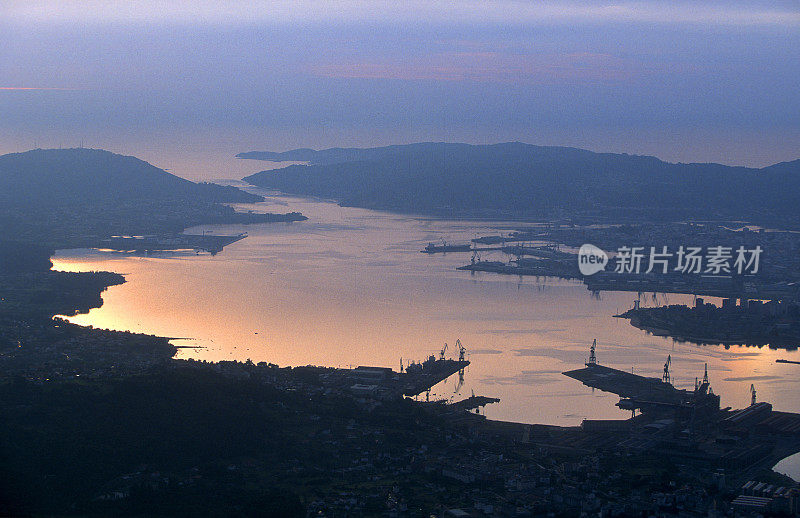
{"x": 522, "y": 180}
{"x": 76, "y": 175}
{"x": 62, "y": 198}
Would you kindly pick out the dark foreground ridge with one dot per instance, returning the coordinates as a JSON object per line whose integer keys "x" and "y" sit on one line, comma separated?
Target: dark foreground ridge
{"x": 516, "y": 180}
{"x": 191, "y": 438}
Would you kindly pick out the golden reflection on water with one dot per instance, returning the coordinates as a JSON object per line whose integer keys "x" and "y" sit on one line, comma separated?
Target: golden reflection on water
{"x": 349, "y": 287}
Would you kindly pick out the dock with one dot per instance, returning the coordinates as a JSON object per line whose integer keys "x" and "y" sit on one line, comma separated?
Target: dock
{"x": 623, "y": 384}
{"x": 473, "y": 402}
{"x": 686, "y": 426}
{"x": 648, "y": 394}
{"x": 385, "y": 383}
{"x": 536, "y": 268}
{"x": 430, "y": 372}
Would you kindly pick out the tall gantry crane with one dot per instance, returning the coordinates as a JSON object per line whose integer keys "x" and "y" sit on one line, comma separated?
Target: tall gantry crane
{"x": 666, "y": 377}
{"x": 462, "y": 351}
{"x": 592, "y": 355}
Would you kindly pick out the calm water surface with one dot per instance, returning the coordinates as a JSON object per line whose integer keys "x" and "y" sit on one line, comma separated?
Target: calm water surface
{"x": 350, "y": 287}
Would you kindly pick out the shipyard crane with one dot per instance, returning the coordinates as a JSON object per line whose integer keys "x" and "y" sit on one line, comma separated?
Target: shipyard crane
{"x": 752, "y": 394}
{"x": 592, "y": 355}
{"x": 444, "y": 350}
{"x": 666, "y": 377}
{"x": 462, "y": 351}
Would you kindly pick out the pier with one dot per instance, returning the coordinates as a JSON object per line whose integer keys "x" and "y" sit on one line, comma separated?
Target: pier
{"x": 385, "y": 383}
{"x": 431, "y": 371}
{"x": 688, "y": 426}
{"x": 649, "y": 395}
{"x": 473, "y": 402}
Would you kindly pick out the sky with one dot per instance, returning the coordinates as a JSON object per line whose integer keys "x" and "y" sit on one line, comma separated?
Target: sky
{"x": 185, "y": 83}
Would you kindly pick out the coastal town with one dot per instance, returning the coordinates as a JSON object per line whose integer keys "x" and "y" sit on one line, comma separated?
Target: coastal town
{"x": 369, "y": 440}
{"x": 302, "y": 259}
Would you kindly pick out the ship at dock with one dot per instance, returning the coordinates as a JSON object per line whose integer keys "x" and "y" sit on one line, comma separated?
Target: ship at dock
{"x": 420, "y": 377}
{"x": 414, "y": 379}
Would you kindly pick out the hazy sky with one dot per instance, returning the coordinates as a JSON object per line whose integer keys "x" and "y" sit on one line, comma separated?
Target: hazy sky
{"x": 688, "y": 81}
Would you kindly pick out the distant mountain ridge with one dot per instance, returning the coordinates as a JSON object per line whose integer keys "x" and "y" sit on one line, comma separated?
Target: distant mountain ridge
{"x": 68, "y": 198}
{"x": 522, "y": 180}
{"x": 74, "y": 175}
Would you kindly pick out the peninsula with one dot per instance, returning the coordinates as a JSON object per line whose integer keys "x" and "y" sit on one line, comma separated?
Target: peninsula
{"x": 514, "y": 180}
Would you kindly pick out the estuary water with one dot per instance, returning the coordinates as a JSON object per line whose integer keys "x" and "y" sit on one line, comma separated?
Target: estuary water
{"x": 350, "y": 287}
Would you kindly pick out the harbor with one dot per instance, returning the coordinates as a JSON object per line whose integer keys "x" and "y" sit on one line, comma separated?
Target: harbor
{"x": 688, "y": 426}
{"x": 721, "y": 456}
{"x": 384, "y": 383}
{"x": 363, "y": 294}
{"x": 552, "y": 251}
